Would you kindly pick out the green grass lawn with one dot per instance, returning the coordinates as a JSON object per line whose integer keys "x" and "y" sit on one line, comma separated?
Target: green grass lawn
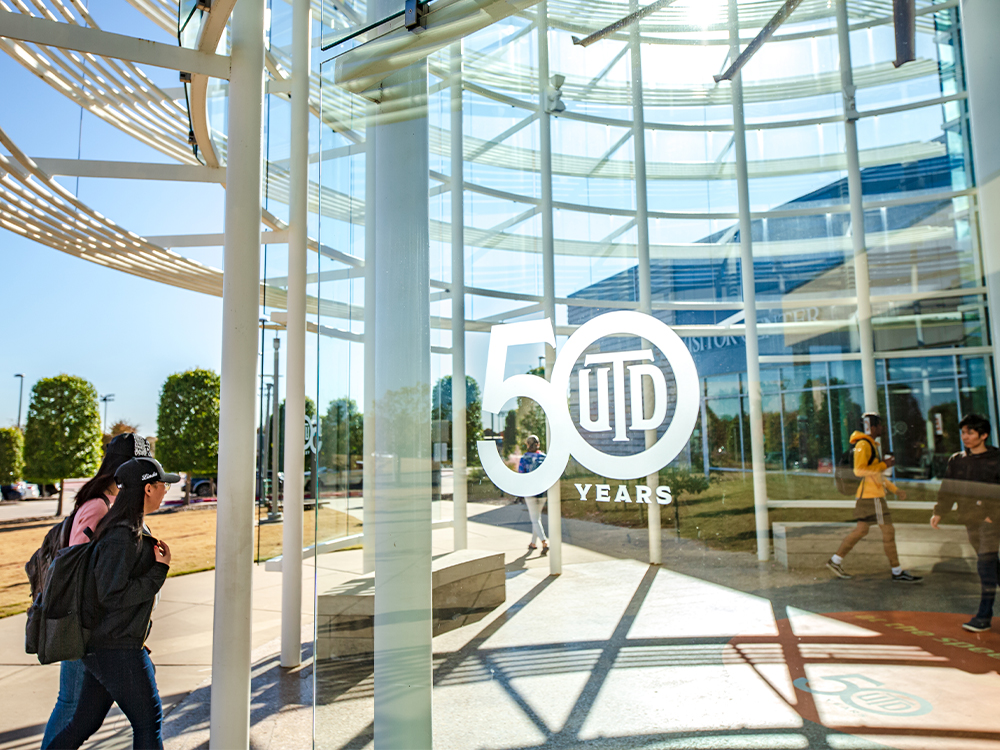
{"x": 723, "y": 516}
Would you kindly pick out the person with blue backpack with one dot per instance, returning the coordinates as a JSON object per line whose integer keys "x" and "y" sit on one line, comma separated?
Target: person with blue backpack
{"x": 870, "y": 508}
{"x": 128, "y": 568}
{"x": 530, "y": 461}
{"x": 92, "y": 503}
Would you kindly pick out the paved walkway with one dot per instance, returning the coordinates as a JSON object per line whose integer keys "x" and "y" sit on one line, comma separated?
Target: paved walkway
{"x": 17, "y": 510}
{"x": 714, "y": 650}
{"x": 44, "y": 507}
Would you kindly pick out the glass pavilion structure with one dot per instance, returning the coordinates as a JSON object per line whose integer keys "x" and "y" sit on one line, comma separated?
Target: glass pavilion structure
{"x": 820, "y": 231}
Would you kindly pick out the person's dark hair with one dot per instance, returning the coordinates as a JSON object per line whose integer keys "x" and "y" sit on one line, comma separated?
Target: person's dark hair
{"x": 976, "y": 422}
{"x": 873, "y": 419}
{"x": 102, "y": 480}
{"x": 127, "y": 510}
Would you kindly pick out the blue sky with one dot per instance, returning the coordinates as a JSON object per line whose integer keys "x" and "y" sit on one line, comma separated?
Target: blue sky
{"x": 122, "y": 333}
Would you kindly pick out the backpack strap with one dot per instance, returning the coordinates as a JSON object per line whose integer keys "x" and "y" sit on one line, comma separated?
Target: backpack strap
{"x": 67, "y": 529}
{"x": 89, "y": 533}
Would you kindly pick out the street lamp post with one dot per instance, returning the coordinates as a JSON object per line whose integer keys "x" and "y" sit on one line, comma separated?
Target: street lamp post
{"x": 20, "y": 398}
{"x": 104, "y": 400}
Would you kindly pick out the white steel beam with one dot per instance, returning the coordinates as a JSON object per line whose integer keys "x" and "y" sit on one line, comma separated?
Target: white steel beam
{"x": 213, "y": 240}
{"x": 638, "y": 135}
{"x": 548, "y": 262}
{"x": 232, "y": 636}
{"x": 391, "y": 47}
{"x": 748, "y": 282}
{"x": 862, "y": 282}
{"x": 402, "y": 379}
{"x": 22, "y": 28}
{"x": 295, "y": 367}
{"x": 502, "y": 137}
{"x": 458, "y": 395}
{"x": 126, "y": 170}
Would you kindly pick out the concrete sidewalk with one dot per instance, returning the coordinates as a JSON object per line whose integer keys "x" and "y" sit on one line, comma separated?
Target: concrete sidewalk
{"x": 712, "y": 650}
{"x": 181, "y": 643}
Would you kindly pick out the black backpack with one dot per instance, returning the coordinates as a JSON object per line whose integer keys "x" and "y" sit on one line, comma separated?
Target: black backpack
{"x": 37, "y": 567}
{"x": 55, "y": 629}
{"x": 846, "y": 480}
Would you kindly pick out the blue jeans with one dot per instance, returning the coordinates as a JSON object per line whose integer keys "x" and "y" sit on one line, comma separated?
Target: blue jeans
{"x": 70, "y": 683}
{"x": 125, "y": 677}
{"x": 985, "y": 538}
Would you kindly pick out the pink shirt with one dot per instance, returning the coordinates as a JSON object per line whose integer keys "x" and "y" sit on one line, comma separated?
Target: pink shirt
{"x": 87, "y": 517}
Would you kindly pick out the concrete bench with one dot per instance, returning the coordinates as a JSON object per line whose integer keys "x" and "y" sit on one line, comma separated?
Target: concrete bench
{"x": 807, "y": 545}
{"x": 467, "y": 585}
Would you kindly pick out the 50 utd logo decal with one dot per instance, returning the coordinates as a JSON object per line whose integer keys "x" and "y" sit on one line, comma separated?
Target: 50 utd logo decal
{"x": 565, "y": 439}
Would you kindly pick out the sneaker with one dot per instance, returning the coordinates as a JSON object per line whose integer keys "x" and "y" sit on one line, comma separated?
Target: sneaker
{"x": 837, "y": 570}
{"x": 977, "y": 624}
{"x": 906, "y": 577}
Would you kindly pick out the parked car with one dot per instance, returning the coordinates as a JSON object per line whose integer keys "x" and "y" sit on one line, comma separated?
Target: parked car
{"x": 334, "y": 479}
{"x": 19, "y": 491}
{"x": 204, "y": 486}
{"x": 267, "y": 488}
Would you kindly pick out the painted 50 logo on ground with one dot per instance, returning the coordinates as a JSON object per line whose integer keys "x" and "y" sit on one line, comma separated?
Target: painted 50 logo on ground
{"x": 565, "y": 440}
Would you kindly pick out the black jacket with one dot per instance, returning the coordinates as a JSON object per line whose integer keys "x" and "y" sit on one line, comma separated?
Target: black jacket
{"x": 120, "y": 594}
{"x": 973, "y": 482}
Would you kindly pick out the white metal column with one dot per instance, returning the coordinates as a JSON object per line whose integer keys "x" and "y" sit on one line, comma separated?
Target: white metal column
{"x": 295, "y": 353}
{"x": 866, "y": 339}
{"x": 275, "y": 514}
{"x": 459, "y": 459}
{"x": 980, "y": 29}
{"x": 368, "y": 465}
{"x": 548, "y": 259}
{"x": 749, "y": 300}
{"x": 642, "y": 254}
{"x": 402, "y": 372}
{"x": 231, "y": 644}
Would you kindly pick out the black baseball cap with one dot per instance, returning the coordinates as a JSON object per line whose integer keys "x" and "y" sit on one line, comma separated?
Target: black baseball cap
{"x": 142, "y": 471}
{"x": 129, "y": 444}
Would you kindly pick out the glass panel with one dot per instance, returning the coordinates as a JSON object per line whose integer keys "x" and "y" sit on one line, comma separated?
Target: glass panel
{"x": 925, "y": 285}
{"x": 725, "y": 433}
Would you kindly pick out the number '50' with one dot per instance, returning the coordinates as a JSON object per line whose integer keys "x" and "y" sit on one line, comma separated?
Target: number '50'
{"x": 564, "y": 440}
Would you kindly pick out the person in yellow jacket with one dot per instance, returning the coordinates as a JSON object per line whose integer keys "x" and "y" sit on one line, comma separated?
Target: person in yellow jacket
{"x": 870, "y": 507}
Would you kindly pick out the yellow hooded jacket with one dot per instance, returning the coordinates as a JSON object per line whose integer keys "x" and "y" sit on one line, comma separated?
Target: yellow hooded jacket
{"x": 873, "y": 481}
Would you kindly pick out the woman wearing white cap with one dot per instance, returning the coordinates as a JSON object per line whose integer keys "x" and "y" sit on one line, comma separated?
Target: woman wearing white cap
{"x": 129, "y": 567}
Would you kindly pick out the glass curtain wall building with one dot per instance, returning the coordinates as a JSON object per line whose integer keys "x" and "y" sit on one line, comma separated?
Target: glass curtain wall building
{"x": 812, "y": 234}
{"x": 925, "y": 283}
{"x": 606, "y": 177}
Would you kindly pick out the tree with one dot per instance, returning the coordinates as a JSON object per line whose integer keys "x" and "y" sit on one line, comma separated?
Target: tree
{"x": 62, "y": 435}
{"x": 531, "y": 416}
{"x": 187, "y": 424}
{"x": 343, "y": 435}
{"x": 441, "y": 409}
{"x": 681, "y": 481}
{"x": 11, "y": 455}
{"x": 509, "y": 433}
{"x": 121, "y": 427}
{"x": 814, "y": 425}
